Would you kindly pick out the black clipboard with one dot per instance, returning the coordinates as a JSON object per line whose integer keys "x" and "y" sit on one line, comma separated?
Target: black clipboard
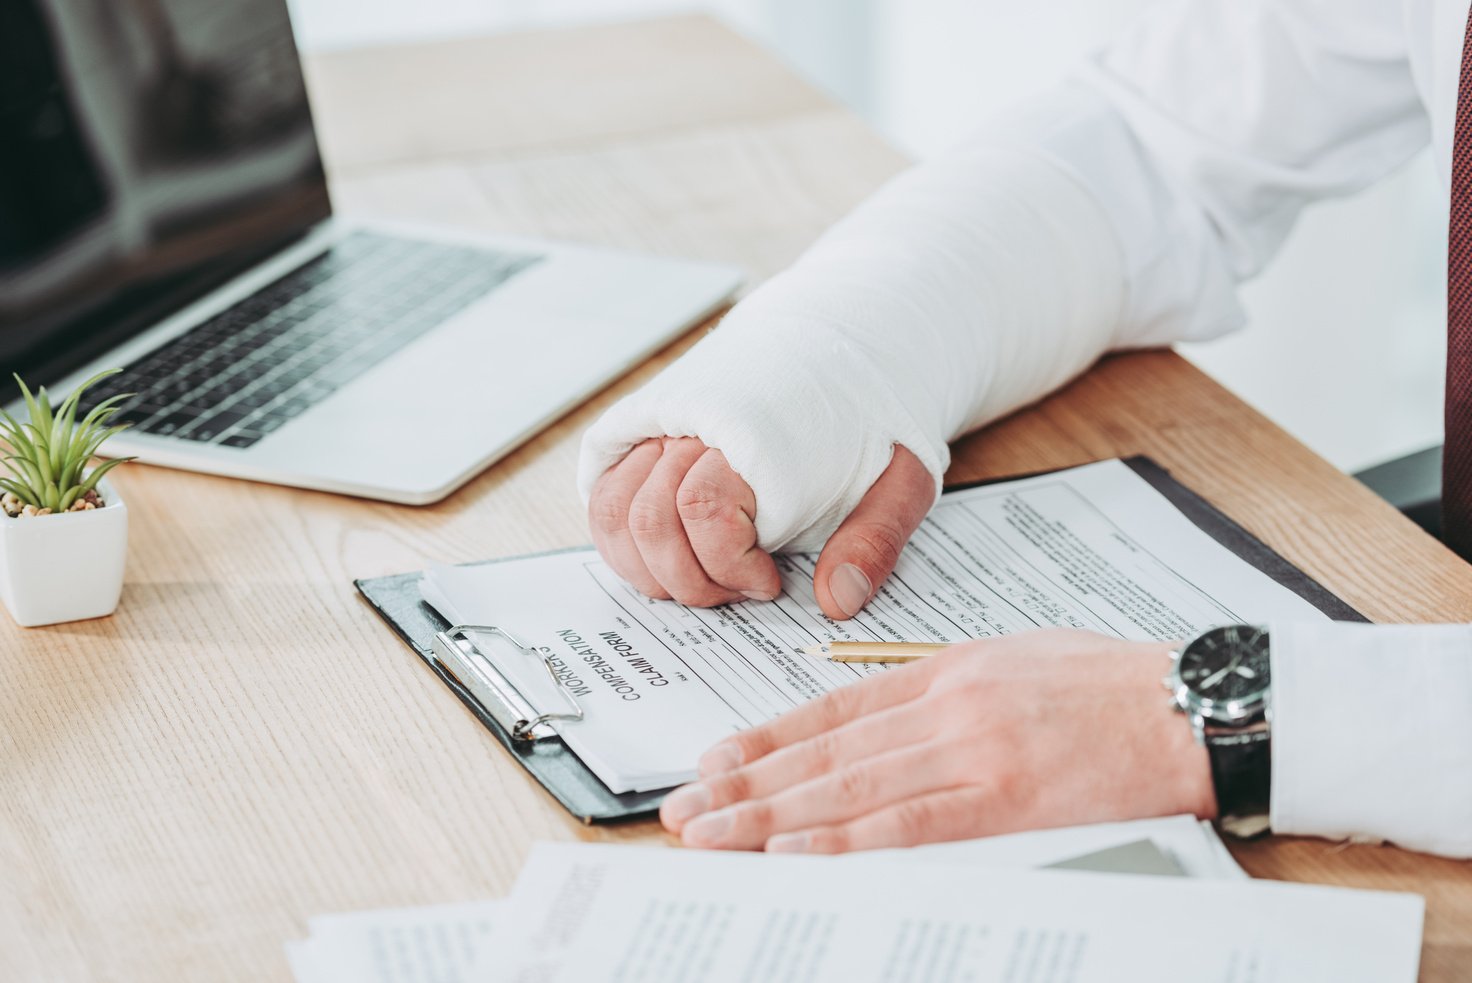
{"x": 550, "y": 762}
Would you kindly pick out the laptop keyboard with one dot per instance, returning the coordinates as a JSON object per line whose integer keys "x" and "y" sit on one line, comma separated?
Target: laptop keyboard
{"x": 253, "y": 367}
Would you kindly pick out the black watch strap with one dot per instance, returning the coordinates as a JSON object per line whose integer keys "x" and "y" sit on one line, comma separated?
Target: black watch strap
{"x": 1242, "y": 774}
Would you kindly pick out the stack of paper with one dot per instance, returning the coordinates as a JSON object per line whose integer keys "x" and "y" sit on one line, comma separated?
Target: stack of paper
{"x": 1094, "y": 547}
{"x": 966, "y": 910}
{"x": 585, "y": 912}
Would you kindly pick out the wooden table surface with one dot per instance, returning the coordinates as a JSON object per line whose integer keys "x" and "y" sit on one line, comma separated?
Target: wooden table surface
{"x": 244, "y": 744}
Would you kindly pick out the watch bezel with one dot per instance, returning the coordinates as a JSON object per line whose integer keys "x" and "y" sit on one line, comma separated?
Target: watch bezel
{"x": 1233, "y": 712}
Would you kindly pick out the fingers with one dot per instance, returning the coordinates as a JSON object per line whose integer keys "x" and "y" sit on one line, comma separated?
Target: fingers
{"x": 856, "y": 789}
{"x": 804, "y": 761}
{"x": 608, "y": 516}
{"x": 949, "y": 814}
{"x": 829, "y": 712}
{"x": 655, "y": 525}
{"x": 676, "y": 521}
{"x": 864, "y": 549}
{"x": 718, "y": 510}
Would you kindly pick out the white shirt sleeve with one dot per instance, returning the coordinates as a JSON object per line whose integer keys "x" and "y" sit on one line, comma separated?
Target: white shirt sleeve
{"x": 1372, "y": 733}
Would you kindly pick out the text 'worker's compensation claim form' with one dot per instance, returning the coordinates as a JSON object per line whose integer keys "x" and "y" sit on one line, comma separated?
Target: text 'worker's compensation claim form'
{"x": 1094, "y": 547}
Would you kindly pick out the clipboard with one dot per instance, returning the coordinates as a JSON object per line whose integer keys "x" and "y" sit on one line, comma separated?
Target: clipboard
{"x": 528, "y": 732}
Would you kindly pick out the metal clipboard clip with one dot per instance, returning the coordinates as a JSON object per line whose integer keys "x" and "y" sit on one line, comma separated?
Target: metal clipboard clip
{"x": 455, "y": 652}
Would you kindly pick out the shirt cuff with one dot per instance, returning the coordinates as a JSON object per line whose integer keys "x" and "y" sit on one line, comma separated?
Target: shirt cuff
{"x": 1372, "y": 733}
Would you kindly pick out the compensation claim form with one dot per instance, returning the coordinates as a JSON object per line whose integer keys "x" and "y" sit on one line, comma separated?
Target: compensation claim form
{"x": 1094, "y": 547}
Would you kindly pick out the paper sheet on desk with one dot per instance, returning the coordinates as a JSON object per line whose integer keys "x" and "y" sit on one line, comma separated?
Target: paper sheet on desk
{"x": 443, "y": 943}
{"x": 1094, "y": 547}
{"x": 426, "y": 944}
{"x": 582, "y": 912}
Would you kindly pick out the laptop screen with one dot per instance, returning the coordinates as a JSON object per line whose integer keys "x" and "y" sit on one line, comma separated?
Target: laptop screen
{"x": 149, "y": 150}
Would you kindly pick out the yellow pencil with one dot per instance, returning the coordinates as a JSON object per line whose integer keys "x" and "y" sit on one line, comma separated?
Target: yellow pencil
{"x": 873, "y": 651}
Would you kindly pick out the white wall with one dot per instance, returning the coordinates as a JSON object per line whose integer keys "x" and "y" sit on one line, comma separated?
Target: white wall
{"x": 1345, "y": 344}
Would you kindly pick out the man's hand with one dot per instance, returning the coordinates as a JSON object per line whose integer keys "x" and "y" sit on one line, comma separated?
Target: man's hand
{"x": 673, "y": 519}
{"x": 1028, "y": 731}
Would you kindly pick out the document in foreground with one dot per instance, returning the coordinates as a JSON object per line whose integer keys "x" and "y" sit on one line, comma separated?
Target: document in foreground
{"x": 444, "y": 943}
{"x": 429, "y": 944}
{"x": 1095, "y": 547}
{"x": 582, "y": 912}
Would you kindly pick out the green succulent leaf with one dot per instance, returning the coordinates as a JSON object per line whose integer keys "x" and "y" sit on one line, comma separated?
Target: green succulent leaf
{"x": 100, "y": 414}
{"x": 15, "y": 436}
{"x": 95, "y": 441}
{"x": 49, "y": 452}
{"x": 21, "y": 491}
{"x": 41, "y": 459}
{"x": 61, "y": 431}
{"x": 31, "y": 408}
{"x": 24, "y": 470}
{"x": 98, "y": 472}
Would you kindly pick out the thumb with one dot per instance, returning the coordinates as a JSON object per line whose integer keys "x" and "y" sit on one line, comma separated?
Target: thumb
{"x": 863, "y": 551}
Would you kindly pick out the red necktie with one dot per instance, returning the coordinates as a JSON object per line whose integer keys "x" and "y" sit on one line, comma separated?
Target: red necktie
{"x": 1456, "y": 474}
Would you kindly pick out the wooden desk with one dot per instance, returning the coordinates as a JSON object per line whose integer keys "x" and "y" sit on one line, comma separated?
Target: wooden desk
{"x": 184, "y": 783}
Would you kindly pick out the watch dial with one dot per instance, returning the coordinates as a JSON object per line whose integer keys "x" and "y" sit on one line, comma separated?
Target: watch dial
{"x": 1227, "y": 664}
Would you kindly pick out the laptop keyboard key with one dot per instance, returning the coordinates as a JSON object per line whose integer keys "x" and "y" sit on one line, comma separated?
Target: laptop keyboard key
{"x": 209, "y": 429}
{"x": 169, "y": 425}
{"x": 135, "y": 414}
{"x": 242, "y": 438}
{"x": 288, "y": 408}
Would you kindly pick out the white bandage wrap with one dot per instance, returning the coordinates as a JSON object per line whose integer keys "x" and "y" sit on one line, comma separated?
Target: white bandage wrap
{"x": 966, "y": 287}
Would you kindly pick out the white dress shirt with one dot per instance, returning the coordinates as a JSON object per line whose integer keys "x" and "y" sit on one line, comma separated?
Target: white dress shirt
{"x": 1120, "y": 210}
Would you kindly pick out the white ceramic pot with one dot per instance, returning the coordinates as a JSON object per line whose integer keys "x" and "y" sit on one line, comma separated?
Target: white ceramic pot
{"x": 67, "y": 567}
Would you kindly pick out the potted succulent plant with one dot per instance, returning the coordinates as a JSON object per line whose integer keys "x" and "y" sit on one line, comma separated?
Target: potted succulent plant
{"x": 63, "y": 528}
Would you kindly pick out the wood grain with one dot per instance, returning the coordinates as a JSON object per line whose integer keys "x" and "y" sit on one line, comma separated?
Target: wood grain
{"x": 244, "y": 745}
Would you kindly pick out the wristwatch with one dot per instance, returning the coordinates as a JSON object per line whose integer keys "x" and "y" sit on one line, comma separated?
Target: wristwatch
{"x": 1221, "y": 680}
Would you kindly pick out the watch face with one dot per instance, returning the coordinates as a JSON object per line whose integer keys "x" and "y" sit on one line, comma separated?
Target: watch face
{"x": 1227, "y": 665}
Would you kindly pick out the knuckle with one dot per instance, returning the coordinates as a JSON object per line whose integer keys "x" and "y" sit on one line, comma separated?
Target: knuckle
{"x": 880, "y": 543}
{"x": 1010, "y": 788}
{"x": 733, "y": 786}
{"x": 647, "y": 519}
{"x": 838, "y": 706}
{"x": 753, "y": 744}
{"x": 699, "y": 500}
{"x": 754, "y": 818}
{"x": 853, "y": 785}
{"x": 607, "y": 514}
{"x": 822, "y": 752}
{"x": 912, "y": 820}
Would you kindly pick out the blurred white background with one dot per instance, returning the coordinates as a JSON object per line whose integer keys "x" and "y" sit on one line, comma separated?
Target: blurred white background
{"x": 1346, "y": 340}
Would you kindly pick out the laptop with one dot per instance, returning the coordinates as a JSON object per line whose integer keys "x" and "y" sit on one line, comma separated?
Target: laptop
{"x": 163, "y": 210}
